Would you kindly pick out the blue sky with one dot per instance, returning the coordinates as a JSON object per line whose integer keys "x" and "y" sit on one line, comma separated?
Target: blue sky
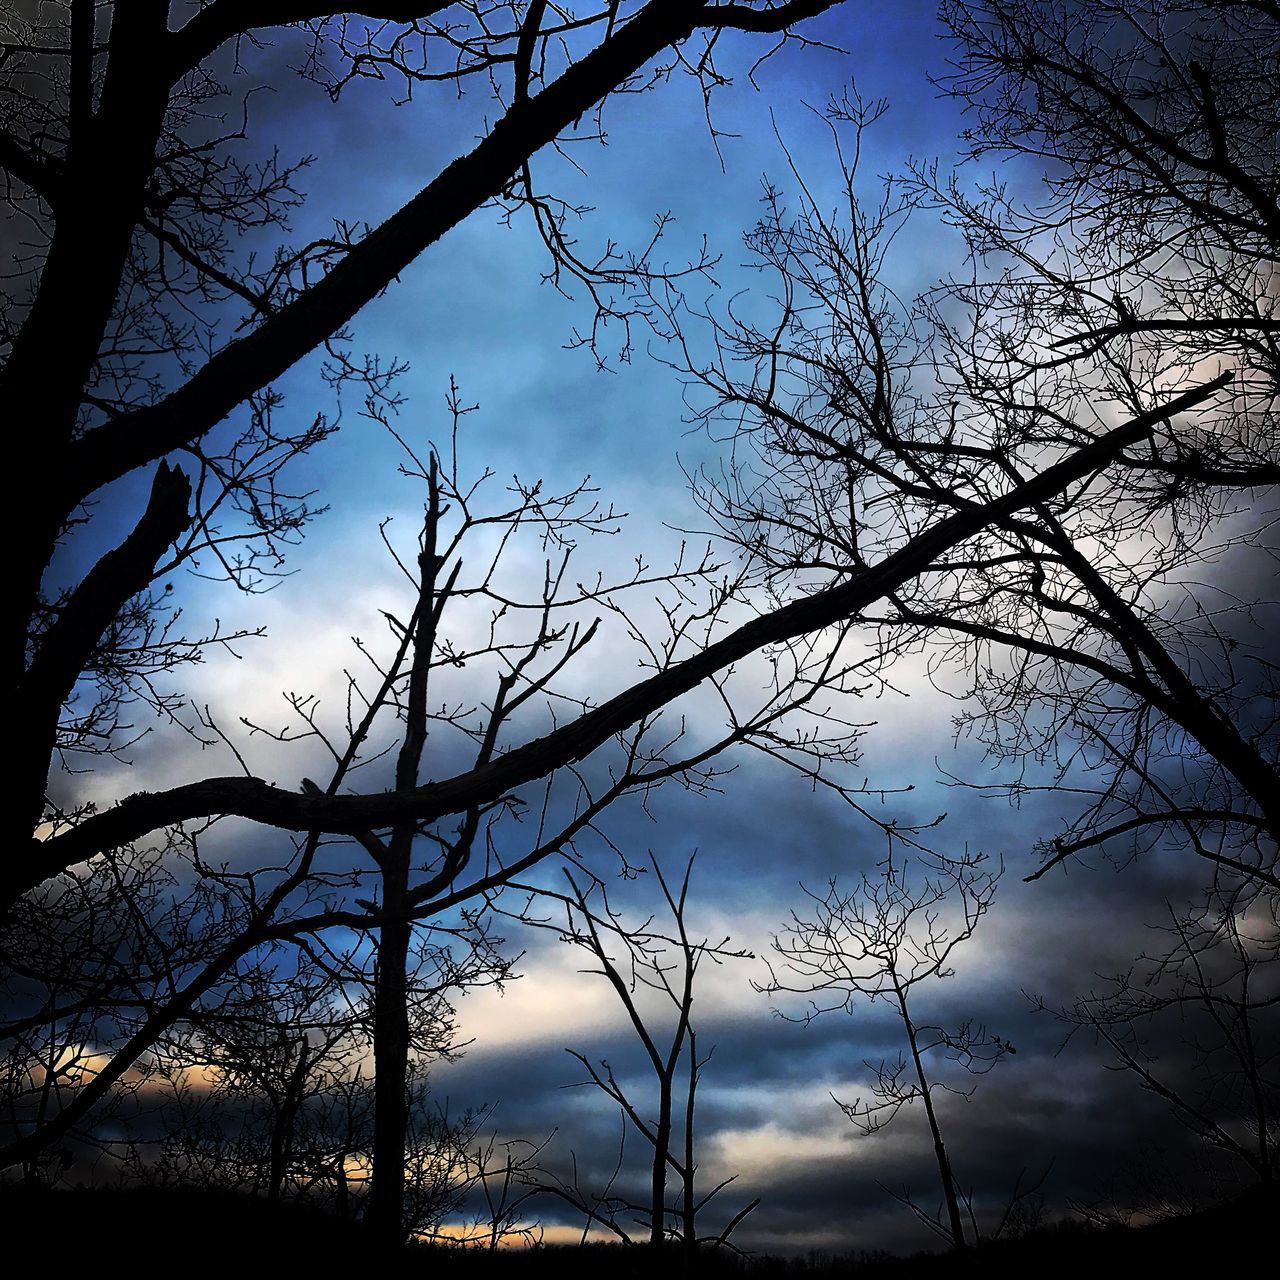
{"x": 472, "y": 307}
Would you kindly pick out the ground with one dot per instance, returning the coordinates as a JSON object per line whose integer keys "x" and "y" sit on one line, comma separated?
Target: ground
{"x": 206, "y": 1231}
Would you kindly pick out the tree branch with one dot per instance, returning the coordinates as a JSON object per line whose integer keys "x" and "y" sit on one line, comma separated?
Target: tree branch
{"x": 249, "y": 363}
{"x": 259, "y": 801}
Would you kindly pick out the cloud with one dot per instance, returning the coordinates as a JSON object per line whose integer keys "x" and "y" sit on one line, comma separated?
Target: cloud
{"x": 472, "y": 307}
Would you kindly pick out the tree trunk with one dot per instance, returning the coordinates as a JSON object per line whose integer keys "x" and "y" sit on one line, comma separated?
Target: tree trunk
{"x": 390, "y": 1061}
{"x": 690, "y": 1208}
{"x": 955, "y": 1223}
{"x": 661, "y": 1153}
{"x": 277, "y": 1160}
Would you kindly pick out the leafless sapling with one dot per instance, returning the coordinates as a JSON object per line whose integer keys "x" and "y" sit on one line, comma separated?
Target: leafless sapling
{"x": 882, "y": 941}
{"x": 641, "y": 961}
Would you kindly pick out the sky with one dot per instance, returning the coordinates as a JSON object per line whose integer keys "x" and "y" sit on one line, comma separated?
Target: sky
{"x": 472, "y": 308}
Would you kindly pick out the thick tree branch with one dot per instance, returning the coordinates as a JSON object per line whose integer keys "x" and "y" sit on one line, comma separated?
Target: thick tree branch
{"x": 246, "y": 365}
{"x": 64, "y": 649}
{"x": 259, "y": 801}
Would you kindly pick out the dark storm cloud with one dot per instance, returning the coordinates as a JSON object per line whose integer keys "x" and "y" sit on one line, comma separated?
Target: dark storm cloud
{"x": 1038, "y": 1111}
{"x": 767, "y": 1087}
{"x": 472, "y": 308}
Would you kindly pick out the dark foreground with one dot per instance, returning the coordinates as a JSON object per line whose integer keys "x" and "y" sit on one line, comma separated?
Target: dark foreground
{"x": 204, "y": 1231}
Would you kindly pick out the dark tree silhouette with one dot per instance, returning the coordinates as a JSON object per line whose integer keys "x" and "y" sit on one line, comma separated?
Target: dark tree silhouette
{"x": 138, "y": 337}
{"x": 1140, "y": 625}
{"x": 1193, "y": 1023}
{"x": 125, "y": 305}
{"x": 637, "y": 960}
{"x": 264, "y": 1095}
{"x": 892, "y": 934}
{"x": 120, "y": 334}
{"x": 1084, "y": 644}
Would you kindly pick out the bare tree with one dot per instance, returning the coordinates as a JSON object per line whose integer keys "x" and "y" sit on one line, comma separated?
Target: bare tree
{"x": 253, "y": 358}
{"x": 142, "y": 297}
{"x": 212, "y": 927}
{"x": 86, "y": 960}
{"x": 1193, "y": 1023}
{"x": 881, "y": 941}
{"x": 501, "y": 1178}
{"x": 134, "y": 304}
{"x": 1141, "y": 621}
{"x": 307, "y": 892}
{"x": 230, "y": 920}
{"x": 266, "y": 1094}
{"x": 132, "y": 205}
{"x": 637, "y": 960}
{"x": 1079, "y": 635}
{"x": 124, "y": 310}
{"x": 251, "y": 1085}
{"x": 1152, "y": 126}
